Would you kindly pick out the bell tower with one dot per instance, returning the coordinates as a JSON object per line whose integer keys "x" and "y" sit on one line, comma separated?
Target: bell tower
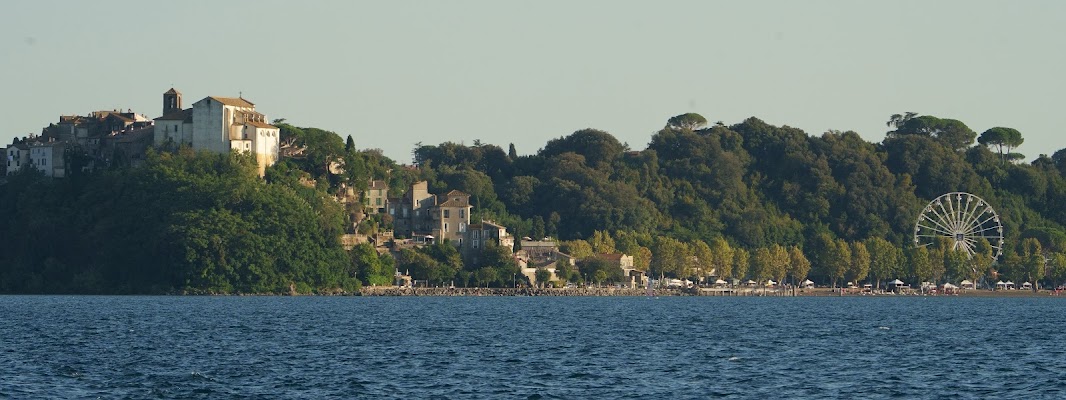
{"x": 171, "y": 101}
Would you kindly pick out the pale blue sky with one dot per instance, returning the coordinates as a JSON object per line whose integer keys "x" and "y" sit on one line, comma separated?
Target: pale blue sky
{"x": 393, "y": 73}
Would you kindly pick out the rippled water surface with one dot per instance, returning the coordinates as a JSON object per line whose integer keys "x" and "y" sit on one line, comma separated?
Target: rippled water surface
{"x": 539, "y": 348}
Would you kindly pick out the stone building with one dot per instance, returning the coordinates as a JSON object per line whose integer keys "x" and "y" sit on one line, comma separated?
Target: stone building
{"x": 376, "y": 197}
{"x": 219, "y": 125}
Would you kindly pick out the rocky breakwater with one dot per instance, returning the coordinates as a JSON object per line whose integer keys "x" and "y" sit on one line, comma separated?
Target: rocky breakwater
{"x": 444, "y": 291}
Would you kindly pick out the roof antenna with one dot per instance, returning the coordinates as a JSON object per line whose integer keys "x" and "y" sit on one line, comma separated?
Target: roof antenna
{"x": 240, "y": 94}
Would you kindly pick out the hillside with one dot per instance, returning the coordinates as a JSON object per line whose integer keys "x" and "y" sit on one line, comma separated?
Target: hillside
{"x": 745, "y": 200}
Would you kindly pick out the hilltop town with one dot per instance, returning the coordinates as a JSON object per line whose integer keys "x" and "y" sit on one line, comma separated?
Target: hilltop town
{"x": 221, "y": 125}
{"x": 217, "y": 198}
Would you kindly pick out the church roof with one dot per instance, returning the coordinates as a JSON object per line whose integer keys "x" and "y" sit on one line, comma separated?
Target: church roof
{"x": 177, "y": 115}
{"x": 233, "y": 101}
{"x": 172, "y": 91}
{"x": 258, "y": 124}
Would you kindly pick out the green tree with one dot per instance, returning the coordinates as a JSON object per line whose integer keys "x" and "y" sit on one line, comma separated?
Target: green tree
{"x": 741, "y": 263}
{"x": 722, "y": 258}
{"x": 1005, "y": 139}
{"x": 780, "y": 262}
{"x": 486, "y": 276}
{"x": 839, "y": 261}
{"x": 921, "y": 263}
{"x": 542, "y": 276}
{"x": 689, "y": 121}
{"x": 1032, "y": 259}
{"x": 884, "y": 261}
{"x": 578, "y": 249}
{"x": 1057, "y": 266}
{"x": 602, "y": 243}
{"x": 860, "y": 262}
{"x": 799, "y": 266}
{"x": 703, "y": 259}
{"x": 668, "y": 257}
{"x": 952, "y": 133}
{"x": 762, "y": 264}
{"x": 369, "y": 266}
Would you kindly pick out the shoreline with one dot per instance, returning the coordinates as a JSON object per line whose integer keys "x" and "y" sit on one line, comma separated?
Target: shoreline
{"x": 397, "y": 291}
{"x": 826, "y": 292}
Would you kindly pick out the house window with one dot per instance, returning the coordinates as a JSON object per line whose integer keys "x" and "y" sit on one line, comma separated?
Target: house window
{"x": 446, "y": 227}
{"x": 44, "y": 162}
{"x": 462, "y": 213}
{"x": 446, "y": 214}
{"x": 462, "y": 227}
{"x": 377, "y": 201}
{"x": 475, "y": 243}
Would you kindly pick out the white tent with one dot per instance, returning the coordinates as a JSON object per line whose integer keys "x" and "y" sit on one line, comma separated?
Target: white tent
{"x": 720, "y": 282}
{"x": 967, "y": 284}
{"x": 1027, "y": 286}
{"x": 950, "y": 286}
{"x": 807, "y": 283}
{"x": 897, "y": 282}
{"x": 750, "y": 282}
{"x": 770, "y": 282}
{"x": 1010, "y": 285}
{"x": 1000, "y": 285}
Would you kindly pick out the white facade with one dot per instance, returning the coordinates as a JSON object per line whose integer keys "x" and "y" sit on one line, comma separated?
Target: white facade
{"x": 16, "y": 156}
{"x": 49, "y": 159}
{"x": 219, "y": 125}
{"x": 177, "y": 131}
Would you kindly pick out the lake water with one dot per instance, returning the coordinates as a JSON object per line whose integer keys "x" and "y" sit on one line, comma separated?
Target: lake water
{"x": 536, "y": 348}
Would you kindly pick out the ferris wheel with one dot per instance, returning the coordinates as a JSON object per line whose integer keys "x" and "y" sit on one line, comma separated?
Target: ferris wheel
{"x": 964, "y": 220}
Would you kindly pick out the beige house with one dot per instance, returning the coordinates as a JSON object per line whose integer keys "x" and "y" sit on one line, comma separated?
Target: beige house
{"x": 376, "y": 197}
{"x": 428, "y": 217}
{"x": 634, "y": 276}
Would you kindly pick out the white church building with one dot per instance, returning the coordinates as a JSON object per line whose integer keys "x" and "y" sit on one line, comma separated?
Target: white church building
{"x": 220, "y": 125}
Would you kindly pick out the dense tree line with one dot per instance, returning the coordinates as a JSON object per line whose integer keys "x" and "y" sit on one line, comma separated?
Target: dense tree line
{"x": 751, "y": 190}
{"x": 181, "y": 223}
{"x": 742, "y": 201}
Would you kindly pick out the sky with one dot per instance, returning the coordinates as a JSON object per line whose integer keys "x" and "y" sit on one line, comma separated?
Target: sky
{"x": 395, "y": 73}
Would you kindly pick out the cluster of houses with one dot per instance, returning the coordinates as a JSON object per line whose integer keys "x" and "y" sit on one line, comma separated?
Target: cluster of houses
{"x": 216, "y": 124}
{"x": 420, "y": 217}
{"x": 226, "y": 124}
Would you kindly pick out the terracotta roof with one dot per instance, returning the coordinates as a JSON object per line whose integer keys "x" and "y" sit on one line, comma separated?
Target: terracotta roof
{"x": 233, "y": 101}
{"x": 612, "y": 257}
{"x": 120, "y": 116}
{"x": 258, "y": 124}
{"x": 177, "y": 115}
{"x": 377, "y": 184}
{"x": 454, "y": 203}
{"x": 172, "y": 91}
{"x": 456, "y": 193}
